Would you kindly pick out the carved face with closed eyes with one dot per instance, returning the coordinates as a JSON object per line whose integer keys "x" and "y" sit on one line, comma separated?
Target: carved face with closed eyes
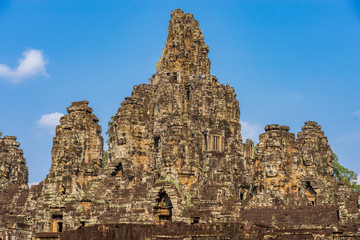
{"x": 308, "y": 157}
{"x": 271, "y": 170}
{"x": 272, "y": 165}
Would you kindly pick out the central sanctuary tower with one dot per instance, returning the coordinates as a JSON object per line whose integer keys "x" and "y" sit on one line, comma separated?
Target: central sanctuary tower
{"x": 179, "y": 136}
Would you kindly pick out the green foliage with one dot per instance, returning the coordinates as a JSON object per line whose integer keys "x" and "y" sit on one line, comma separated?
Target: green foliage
{"x": 188, "y": 200}
{"x": 177, "y": 186}
{"x": 346, "y": 175}
{"x": 109, "y": 124}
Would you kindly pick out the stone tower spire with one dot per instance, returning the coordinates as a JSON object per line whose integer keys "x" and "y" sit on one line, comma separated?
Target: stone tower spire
{"x": 185, "y": 49}
{"x": 78, "y": 142}
{"x": 13, "y": 169}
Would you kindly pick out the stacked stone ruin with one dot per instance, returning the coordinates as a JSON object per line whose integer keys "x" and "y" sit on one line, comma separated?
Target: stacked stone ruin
{"x": 177, "y": 167}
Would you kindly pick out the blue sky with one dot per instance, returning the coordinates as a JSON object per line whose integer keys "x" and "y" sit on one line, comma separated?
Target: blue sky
{"x": 289, "y": 62}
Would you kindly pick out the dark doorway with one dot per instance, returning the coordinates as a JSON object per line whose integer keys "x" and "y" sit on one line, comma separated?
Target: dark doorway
{"x": 163, "y": 208}
{"x": 57, "y": 223}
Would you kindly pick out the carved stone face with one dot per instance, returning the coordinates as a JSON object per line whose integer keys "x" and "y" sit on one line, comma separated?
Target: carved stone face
{"x": 4, "y": 172}
{"x": 308, "y": 158}
{"x": 272, "y": 164}
{"x": 271, "y": 169}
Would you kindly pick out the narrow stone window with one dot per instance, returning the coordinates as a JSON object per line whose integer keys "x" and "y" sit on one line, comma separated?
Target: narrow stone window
{"x": 188, "y": 88}
{"x": 216, "y": 143}
{"x": 62, "y": 189}
{"x": 156, "y": 141}
{"x": 205, "y": 146}
{"x": 212, "y": 143}
{"x": 242, "y": 196}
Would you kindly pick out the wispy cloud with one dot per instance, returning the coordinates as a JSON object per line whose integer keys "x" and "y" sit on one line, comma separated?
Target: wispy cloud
{"x": 251, "y": 131}
{"x": 49, "y": 120}
{"x": 47, "y": 123}
{"x": 31, "y": 64}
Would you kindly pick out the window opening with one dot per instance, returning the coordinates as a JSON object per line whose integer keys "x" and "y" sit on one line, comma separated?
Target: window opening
{"x": 195, "y": 220}
{"x": 118, "y": 170}
{"x": 62, "y": 189}
{"x": 156, "y": 141}
{"x": 188, "y": 92}
{"x": 216, "y": 143}
{"x": 310, "y": 195}
{"x": 205, "y": 142}
{"x": 241, "y": 196}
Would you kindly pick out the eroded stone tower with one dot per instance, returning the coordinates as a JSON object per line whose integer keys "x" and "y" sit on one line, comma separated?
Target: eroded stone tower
{"x": 76, "y": 162}
{"x": 13, "y": 169}
{"x": 180, "y": 132}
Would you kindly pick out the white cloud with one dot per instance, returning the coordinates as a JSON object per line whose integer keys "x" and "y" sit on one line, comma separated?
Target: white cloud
{"x": 32, "y": 64}
{"x": 33, "y": 183}
{"x": 49, "y": 120}
{"x": 251, "y": 131}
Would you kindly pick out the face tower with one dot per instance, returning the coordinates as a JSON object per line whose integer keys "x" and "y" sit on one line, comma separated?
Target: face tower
{"x": 180, "y": 132}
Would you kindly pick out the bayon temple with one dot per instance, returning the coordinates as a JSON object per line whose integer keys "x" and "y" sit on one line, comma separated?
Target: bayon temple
{"x": 177, "y": 167}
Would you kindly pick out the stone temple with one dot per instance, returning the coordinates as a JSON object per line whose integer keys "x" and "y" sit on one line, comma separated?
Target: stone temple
{"x": 177, "y": 167}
